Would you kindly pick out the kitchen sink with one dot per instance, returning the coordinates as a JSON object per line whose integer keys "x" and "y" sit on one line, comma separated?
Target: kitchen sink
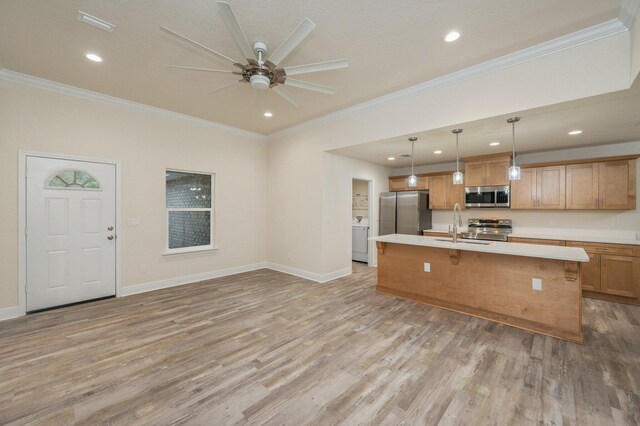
{"x": 449, "y": 240}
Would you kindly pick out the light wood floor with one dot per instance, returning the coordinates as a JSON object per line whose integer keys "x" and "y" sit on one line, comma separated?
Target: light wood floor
{"x": 265, "y": 347}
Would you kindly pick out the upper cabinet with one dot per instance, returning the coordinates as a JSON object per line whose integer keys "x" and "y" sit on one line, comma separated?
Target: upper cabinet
{"x": 400, "y": 183}
{"x": 539, "y": 188}
{"x": 603, "y": 185}
{"x": 443, "y": 194}
{"x": 488, "y": 170}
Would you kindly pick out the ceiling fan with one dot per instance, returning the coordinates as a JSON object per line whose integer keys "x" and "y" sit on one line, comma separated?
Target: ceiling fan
{"x": 263, "y": 74}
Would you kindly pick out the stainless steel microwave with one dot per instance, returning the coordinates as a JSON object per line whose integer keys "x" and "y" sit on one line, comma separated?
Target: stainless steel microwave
{"x": 487, "y": 196}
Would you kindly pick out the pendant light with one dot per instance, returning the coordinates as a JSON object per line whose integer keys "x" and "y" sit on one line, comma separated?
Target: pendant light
{"x": 458, "y": 177}
{"x": 514, "y": 170}
{"x": 413, "y": 179}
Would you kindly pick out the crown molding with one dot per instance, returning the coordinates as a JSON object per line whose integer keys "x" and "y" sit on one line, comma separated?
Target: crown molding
{"x": 628, "y": 11}
{"x": 16, "y": 77}
{"x": 588, "y": 35}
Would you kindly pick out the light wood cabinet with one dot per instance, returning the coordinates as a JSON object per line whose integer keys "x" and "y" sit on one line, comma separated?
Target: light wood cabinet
{"x": 399, "y": 183}
{"x": 438, "y": 192}
{"x": 487, "y": 171}
{"x": 539, "y": 188}
{"x": 604, "y": 185}
{"x": 443, "y": 194}
{"x": 613, "y": 269}
{"x": 620, "y": 275}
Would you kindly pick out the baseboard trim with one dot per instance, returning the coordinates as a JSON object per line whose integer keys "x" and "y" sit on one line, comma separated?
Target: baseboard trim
{"x": 319, "y": 278}
{"x": 189, "y": 279}
{"x": 9, "y": 313}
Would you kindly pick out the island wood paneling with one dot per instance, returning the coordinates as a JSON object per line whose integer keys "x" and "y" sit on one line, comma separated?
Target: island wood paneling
{"x": 492, "y": 286}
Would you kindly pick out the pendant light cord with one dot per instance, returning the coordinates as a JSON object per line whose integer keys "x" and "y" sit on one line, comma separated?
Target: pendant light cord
{"x": 457, "y": 162}
{"x": 412, "y": 143}
{"x": 513, "y": 138}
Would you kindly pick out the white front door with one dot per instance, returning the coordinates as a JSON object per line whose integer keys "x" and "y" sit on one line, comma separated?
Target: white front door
{"x": 71, "y": 247}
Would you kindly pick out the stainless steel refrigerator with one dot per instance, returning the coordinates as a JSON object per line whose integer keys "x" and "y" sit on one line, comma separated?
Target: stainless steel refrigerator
{"x": 404, "y": 212}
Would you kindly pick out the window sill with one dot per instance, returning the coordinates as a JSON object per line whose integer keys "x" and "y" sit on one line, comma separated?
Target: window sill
{"x": 189, "y": 250}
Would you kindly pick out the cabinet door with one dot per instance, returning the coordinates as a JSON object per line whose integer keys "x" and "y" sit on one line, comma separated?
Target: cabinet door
{"x": 582, "y": 186}
{"x": 617, "y": 185}
{"x": 423, "y": 183}
{"x": 455, "y": 193}
{"x": 398, "y": 184}
{"x": 536, "y": 241}
{"x": 590, "y": 272}
{"x": 474, "y": 174}
{"x": 497, "y": 173}
{"x": 620, "y": 275}
{"x": 524, "y": 191}
{"x": 551, "y": 187}
{"x": 438, "y": 192}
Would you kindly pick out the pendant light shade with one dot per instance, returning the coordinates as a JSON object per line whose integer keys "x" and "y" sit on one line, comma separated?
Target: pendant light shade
{"x": 458, "y": 176}
{"x": 514, "y": 170}
{"x": 413, "y": 179}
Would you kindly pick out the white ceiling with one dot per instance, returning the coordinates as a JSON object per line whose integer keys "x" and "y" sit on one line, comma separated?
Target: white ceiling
{"x": 608, "y": 118}
{"x": 390, "y": 45}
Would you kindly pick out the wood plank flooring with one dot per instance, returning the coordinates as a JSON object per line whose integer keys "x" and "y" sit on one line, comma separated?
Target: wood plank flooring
{"x": 269, "y": 348}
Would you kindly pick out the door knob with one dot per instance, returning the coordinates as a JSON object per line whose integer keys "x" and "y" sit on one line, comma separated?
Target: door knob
{"x": 109, "y": 228}
{"x": 110, "y": 237}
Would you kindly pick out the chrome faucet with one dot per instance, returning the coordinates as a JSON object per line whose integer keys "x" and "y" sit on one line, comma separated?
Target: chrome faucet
{"x": 457, "y": 221}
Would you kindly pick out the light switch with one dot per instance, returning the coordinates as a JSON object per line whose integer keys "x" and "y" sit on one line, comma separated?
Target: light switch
{"x": 536, "y": 284}
{"x": 427, "y": 267}
{"x": 133, "y": 221}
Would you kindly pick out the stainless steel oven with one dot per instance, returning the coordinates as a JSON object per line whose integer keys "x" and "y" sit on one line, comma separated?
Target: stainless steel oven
{"x": 487, "y": 196}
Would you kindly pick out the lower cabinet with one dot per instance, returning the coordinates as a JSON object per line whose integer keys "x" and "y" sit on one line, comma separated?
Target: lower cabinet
{"x": 613, "y": 270}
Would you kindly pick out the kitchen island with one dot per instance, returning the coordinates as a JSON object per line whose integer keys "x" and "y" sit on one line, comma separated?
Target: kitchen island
{"x": 530, "y": 286}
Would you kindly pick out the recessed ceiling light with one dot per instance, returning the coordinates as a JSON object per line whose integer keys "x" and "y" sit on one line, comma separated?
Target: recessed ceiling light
{"x": 494, "y": 144}
{"x": 437, "y": 152}
{"x": 268, "y": 114}
{"x": 452, "y": 36}
{"x": 391, "y": 158}
{"x": 93, "y": 57}
{"x": 575, "y": 132}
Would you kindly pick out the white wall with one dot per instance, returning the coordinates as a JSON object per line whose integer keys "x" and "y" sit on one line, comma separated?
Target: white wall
{"x": 336, "y": 235}
{"x": 635, "y": 47}
{"x": 297, "y": 155}
{"x": 146, "y": 143}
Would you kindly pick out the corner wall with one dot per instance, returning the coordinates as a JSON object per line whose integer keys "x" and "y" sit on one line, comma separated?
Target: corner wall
{"x": 146, "y": 143}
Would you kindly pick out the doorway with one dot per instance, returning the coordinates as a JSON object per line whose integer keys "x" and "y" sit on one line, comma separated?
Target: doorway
{"x": 361, "y": 220}
{"x": 70, "y": 231}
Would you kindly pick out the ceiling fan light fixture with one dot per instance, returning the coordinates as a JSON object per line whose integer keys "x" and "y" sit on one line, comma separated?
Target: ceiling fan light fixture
{"x": 260, "y": 82}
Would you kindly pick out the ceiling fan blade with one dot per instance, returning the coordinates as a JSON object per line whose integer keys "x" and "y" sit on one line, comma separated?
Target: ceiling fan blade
{"x": 320, "y": 66}
{"x": 195, "y": 43}
{"x": 225, "y": 87}
{"x": 233, "y": 26}
{"x": 309, "y": 86}
{"x": 201, "y": 69}
{"x": 286, "y": 95}
{"x": 294, "y": 39}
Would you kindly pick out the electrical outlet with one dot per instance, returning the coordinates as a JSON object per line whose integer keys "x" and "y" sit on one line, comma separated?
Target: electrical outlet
{"x": 133, "y": 221}
{"x": 536, "y": 284}
{"x": 620, "y": 223}
{"x": 143, "y": 268}
{"x": 427, "y": 267}
{"x": 552, "y": 222}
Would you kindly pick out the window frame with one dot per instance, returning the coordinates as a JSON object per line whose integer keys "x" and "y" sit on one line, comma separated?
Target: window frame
{"x": 211, "y": 210}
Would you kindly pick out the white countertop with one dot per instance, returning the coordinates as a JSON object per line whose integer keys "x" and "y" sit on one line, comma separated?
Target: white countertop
{"x": 512, "y": 249}
{"x": 583, "y": 235}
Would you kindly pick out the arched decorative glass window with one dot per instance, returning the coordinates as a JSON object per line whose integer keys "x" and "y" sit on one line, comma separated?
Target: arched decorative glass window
{"x": 73, "y": 179}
